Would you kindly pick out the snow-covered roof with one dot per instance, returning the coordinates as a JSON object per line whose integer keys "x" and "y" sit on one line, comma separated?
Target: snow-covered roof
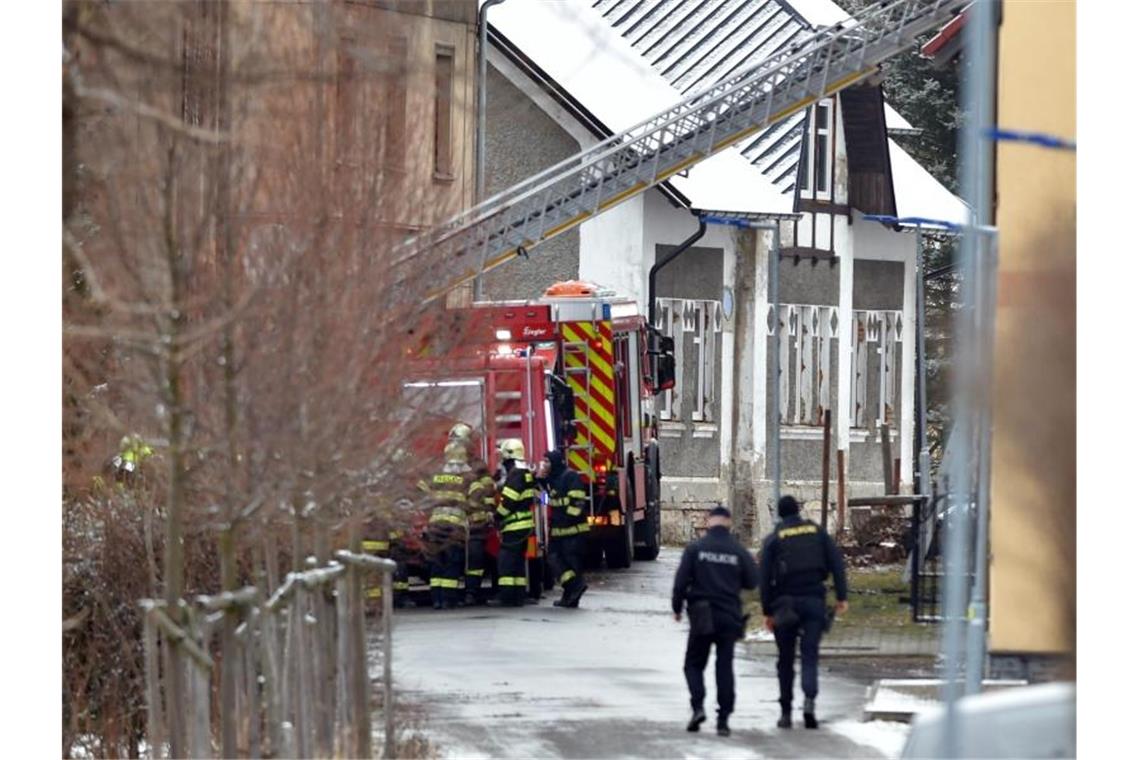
{"x": 587, "y": 57}
{"x": 626, "y": 60}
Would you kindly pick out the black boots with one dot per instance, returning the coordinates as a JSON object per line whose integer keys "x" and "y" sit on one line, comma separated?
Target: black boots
{"x": 696, "y": 721}
{"x": 722, "y": 727}
{"x": 785, "y": 720}
{"x": 809, "y": 714}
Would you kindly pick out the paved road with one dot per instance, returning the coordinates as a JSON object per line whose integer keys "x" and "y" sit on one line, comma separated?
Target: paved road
{"x": 600, "y": 681}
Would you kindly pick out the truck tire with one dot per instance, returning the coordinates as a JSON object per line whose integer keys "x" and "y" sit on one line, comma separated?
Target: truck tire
{"x": 650, "y": 533}
{"x": 619, "y": 550}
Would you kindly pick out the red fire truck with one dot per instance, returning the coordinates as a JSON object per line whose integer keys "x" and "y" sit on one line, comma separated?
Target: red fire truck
{"x": 576, "y": 370}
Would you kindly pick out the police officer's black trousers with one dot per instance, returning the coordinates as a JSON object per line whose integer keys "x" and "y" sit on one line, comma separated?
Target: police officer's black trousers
{"x": 476, "y": 565}
{"x": 812, "y": 613}
{"x": 512, "y": 567}
{"x": 566, "y": 558}
{"x": 697, "y": 657}
{"x": 446, "y": 564}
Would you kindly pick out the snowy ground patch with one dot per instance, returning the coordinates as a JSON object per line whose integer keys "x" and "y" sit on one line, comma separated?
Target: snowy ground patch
{"x": 888, "y": 737}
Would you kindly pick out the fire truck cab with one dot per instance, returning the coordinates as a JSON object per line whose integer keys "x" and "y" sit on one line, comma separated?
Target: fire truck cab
{"x": 576, "y": 370}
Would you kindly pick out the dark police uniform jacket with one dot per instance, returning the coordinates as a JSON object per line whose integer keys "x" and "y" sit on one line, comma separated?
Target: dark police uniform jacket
{"x": 796, "y": 559}
{"x": 715, "y": 568}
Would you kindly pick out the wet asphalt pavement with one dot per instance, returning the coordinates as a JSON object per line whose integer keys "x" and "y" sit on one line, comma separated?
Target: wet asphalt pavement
{"x": 603, "y": 680}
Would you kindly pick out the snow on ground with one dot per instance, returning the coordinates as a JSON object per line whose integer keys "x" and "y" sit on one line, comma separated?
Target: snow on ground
{"x": 887, "y": 737}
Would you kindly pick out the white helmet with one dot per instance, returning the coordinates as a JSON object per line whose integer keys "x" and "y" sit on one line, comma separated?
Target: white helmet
{"x": 460, "y": 431}
{"x": 512, "y": 448}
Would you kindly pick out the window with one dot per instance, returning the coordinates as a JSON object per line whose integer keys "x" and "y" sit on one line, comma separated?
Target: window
{"x": 444, "y": 81}
{"x": 396, "y": 107}
{"x": 807, "y": 333}
{"x": 695, "y": 327}
{"x": 882, "y": 329}
{"x": 815, "y": 169}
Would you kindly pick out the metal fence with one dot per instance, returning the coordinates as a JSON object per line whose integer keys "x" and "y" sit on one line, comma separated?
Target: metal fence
{"x": 292, "y": 676}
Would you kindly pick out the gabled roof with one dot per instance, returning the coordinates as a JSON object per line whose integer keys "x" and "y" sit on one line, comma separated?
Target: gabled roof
{"x": 629, "y": 59}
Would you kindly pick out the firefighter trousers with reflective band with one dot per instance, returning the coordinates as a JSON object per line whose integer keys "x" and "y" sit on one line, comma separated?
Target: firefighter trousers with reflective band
{"x": 476, "y": 564}
{"x": 812, "y": 613}
{"x": 512, "y": 567}
{"x": 697, "y": 657}
{"x": 566, "y": 554}
{"x": 392, "y": 549}
{"x": 448, "y": 544}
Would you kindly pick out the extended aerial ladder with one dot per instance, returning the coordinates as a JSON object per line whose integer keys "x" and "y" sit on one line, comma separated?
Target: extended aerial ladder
{"x": 565, "y": 195}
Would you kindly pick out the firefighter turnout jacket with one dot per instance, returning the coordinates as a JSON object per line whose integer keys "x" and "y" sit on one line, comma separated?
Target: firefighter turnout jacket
{"x": 796, "y": 559}
{"x": 518, "y": 494}
{"x": 447, "y": 496}
{"x": 569, "y": 503}
{"x": 480, "y": 499}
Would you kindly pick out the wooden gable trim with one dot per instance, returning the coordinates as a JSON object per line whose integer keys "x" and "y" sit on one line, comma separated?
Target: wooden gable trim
{"x": 870, "y": 185}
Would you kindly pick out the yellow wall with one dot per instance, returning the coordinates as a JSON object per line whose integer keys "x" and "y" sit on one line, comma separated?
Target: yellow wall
{"x": 1033, "y": 582}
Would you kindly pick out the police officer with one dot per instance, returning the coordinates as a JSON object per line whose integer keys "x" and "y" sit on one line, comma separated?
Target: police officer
{"x": 481, "y": 501}
{"x": 516, "y": 522}
{"x": 447, "y": 526}
{"x": 795, "y": 560}
{"x": 568, "y": 525}
{"x": 713, "y": 570}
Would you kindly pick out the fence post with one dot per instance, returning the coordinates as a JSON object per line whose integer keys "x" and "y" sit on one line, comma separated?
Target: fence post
{"x": 272, "y": 682}
{"x": 304, "y": 683}
{"x": 154, "y": 719}
{"x": 888, "y": 464}
{"x": 344, "y": 716}
{"x": 826, "y": 468}
{"x": 360, "y": 712}
{"x": 389, "y": 703}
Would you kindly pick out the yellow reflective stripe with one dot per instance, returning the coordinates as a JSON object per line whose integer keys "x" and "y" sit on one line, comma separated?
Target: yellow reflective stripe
{"x": 452, "y": 495}
{"x": 517, "y": 526}
{"x": 374, "y": 546}
{"x": 577, "y": 494}
{"x": 584, "y": 528}
{"x": 799, "y": 530}
{"x": 374, "y": 593}
{"x": 508, "y": 580}
{"x": 444, "y": 583}
{"x": 477, "y": 573}
{"x": 510, "y": 493}
{"x": 560, "y": 532}
{"x": 502, "y": 510}
{"x": 566, "y": 576}
{"x": 400, "y": 585}
{"x": 573, "y": 511}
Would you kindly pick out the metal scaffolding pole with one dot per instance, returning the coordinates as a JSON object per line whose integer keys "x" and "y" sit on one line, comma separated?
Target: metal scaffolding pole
{"x": 976, "y": 173}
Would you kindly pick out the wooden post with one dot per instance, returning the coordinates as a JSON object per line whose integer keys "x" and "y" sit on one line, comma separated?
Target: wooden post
{"x": 897, "y": 487}
{"x": 154, "y": 721}
{"x": 841, "y": 466}
{"x": 826, "y": 468}
{"x": 888, "y": 461}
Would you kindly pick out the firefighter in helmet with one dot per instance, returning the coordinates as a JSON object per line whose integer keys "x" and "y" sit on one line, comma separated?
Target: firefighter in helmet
{"x": 386, "y": 539}
{"x": 516, "y": 522}
{"x": 481, "y": 501}
{"x": 569, "y": 506}
{"x": 447, "y": 527}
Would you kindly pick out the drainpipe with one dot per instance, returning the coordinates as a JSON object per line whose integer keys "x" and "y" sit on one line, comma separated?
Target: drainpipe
{"x": 480, "y": 121}
{"x": 684, "y": 246}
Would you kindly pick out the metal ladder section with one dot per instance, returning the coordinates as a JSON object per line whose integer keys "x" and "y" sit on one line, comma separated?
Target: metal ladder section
{"x": 581, "y": 350}
{"x": 568, "y": 193}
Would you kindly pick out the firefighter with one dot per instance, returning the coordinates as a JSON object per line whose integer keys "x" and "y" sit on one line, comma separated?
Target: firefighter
{"x": 795, "y": 561}
{"x": 568, "y": 525}
{"x": 713, "y": 570}
{"x": 481, "y": 502}
{"x": 516, "y": 522}
{"x": 447, "y": 526}
{"x": 386, "y": 539}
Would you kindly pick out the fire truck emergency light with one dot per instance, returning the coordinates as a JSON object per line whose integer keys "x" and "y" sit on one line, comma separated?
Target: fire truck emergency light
{"x": 502, "y": 334}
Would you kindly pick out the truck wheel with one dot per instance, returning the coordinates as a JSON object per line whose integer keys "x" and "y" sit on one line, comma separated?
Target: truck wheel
{"x": 650, "y": 534}
{"x": 593, "y": 558}
{"x": 619, "y": 550}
